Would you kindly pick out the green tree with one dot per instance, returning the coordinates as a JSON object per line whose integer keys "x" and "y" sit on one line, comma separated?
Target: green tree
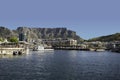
{"x": 14, "y": 39}
{"x": 1, "y": 39}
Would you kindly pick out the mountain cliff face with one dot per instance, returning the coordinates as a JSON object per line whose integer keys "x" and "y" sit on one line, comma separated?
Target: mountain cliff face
{"x": 48, "y": 33}
{"x": 40, "y": 33}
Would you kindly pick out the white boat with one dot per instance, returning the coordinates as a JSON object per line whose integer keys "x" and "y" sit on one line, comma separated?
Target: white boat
{"x": 42, "y": 48}
{"x": 48, "y": 49}
{"x": 38, "y": 48}
{"x": 91, "y": 49}
{"x": 99, "y": 50}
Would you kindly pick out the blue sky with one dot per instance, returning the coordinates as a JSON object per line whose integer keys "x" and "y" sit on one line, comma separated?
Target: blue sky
{"x": 89, "y": 18}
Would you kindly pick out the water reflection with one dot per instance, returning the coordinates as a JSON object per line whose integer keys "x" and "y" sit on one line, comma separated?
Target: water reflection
{"x": 9, "y": 56}
{"x": 61, "y": 65}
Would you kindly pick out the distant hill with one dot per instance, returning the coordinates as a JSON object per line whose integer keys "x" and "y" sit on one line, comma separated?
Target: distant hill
{"x": 6, "y": 33}
{"x": 112, "y": 37}
{"x": 40, "y": 33}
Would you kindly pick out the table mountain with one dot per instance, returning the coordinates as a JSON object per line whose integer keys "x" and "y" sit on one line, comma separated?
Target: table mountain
{"x": 40, "y": 33}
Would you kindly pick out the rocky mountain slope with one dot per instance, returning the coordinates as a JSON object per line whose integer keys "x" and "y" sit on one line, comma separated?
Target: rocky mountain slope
{"x": 40, "y": 33}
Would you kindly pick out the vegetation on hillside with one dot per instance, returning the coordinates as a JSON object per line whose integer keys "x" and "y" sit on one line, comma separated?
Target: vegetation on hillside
{"x": 14, "y": 39}
{"x": 1, "y": 39}
{"x": 108, "y": 38}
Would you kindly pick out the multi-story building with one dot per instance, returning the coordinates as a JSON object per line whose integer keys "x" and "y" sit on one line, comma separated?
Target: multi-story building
{"x": 60, "y": 42}
{"x": 22, "y": 37}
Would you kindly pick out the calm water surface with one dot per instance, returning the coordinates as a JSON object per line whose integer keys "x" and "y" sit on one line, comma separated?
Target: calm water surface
{"x": 61, "y": 65}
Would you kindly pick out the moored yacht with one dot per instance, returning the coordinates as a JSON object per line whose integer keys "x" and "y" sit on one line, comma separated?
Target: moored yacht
{"x": 38, "y": 48}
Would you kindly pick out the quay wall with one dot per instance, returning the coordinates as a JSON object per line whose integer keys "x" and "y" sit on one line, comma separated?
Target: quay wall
{"x": 70, "y": 48}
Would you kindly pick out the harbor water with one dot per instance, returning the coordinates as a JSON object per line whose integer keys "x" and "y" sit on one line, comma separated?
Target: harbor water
{"x": 61, "y": 65}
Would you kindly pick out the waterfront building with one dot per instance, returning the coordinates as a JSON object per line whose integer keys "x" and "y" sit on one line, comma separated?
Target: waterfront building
{"x": 22, "y": 37}
{"x": 60, "y": 42}
{"x": 114, "y": 46}
{"x": 14, "y": 48}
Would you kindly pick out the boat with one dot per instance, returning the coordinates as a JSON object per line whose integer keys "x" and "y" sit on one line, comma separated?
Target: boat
{"x": 48, "y": 49}
{"x": 91, "y": 49}
{"x": 42, "y": 48}
{"x": 38, "y": 48}
{"x": 99, "y": 50}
